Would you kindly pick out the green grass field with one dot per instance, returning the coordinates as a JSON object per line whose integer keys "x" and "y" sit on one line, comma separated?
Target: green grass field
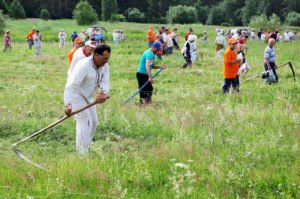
{"x": 231, "y": 146}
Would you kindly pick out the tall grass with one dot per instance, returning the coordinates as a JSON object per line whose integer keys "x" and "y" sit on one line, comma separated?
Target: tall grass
{"x": 228, "y": 146}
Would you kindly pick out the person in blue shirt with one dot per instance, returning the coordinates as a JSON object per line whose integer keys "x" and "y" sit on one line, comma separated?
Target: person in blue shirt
{"x": 99, "y": 37}
{"x": 74, "y": 36}
{"x": 269, "y": 56}
{"x": 144, "y": 74}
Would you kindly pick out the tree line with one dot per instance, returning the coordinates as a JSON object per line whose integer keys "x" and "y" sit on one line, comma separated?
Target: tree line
{"x": 213, "y": 12}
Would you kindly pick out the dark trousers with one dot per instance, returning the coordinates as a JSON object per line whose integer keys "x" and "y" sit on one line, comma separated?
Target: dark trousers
{"x": 188, "y": 61}
{"x": 234, "y": 82}
{"x": 146, "y": 92}
{"x": 272, "y": 68}
{"x": 175, "y": 44}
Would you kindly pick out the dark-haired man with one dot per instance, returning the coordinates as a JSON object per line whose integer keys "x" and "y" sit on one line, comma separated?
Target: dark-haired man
{"x": 88, "y": 75}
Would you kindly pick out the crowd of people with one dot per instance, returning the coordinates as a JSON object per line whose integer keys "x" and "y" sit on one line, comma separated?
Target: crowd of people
{"x": 89, "y": 69}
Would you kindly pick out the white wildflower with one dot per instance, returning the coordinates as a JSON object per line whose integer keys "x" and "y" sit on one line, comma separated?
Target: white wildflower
{"x": 181, "y": 165}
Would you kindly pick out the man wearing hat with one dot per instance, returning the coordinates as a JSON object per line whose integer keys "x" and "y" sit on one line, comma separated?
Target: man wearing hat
{"x": 88, "y": 75}
{"x": 82, "y": 52}
{"x": 220, "y": 44}
{"x": 231, "y": 67}
{"x": 144, "y": 74}
{"x": 77, "y": 44}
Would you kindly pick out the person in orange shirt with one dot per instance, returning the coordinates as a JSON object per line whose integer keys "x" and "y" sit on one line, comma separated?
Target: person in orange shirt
{"x": 30, "y": 38}
{"x": 150, "y": 36}
{"x": 231, "y": 67}
{"x": 77, "y": 44}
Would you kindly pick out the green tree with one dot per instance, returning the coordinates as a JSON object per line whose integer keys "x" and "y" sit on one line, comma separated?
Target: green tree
{"x": 84, "y": 13}
{"x": 157, "y": 11}
{"x": 291, "y": 5}
{"x": 2, "y": 22}
{"x": 217, "y": 16}
{"x": 4, "y": 7}
{"x": 202, "y": 11}
{"x": 262, "y": 21}
{"x": 249, "y": 10}
{"x": 44, "y": 14}
{"x": 135, "y": 15}
{"x": 117, "y": 18}
{"x": 109, "y": 8}
{"x": 16, "y": 10}
{"x": 182, "y": 14}
{"x": 233, "y": 10}
{"x": 293, "y": 19}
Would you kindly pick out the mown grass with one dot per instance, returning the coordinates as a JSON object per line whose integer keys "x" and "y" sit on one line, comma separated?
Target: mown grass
{"x": 235, "y": 146}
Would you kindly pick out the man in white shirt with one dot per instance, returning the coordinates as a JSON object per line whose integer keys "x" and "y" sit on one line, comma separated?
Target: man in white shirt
{"x": 220, "y": 44}
{"x": 89, "y": 74}
{"x": 82, "y": 35}
{"x": 286, "y": 36}
{"x": 83, "y": 52}
{"x": 37, "y": 41}
{"x": 62, "y": 39}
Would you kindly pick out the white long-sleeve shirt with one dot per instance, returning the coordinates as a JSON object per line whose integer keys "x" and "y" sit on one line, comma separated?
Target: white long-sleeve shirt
{"x": 62, "y": 36}
{"x": 82, "y": 84}
{"x": 77, "y": 56}
{"x": 220, "y": 39}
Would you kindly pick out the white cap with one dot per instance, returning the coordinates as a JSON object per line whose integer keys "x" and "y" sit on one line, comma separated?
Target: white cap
{"x": 91, "y": 43}
{"x": 192, "y": 37}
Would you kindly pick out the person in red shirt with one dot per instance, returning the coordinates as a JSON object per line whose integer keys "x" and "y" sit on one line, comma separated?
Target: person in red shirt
{"x": 30, "y": 38}
{"x": 150, "y": 36}
{"x": 188, "y": 33}
{"x": 231, "y": 67}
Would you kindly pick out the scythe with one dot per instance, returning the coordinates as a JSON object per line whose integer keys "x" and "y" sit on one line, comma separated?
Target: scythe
{"x": 23, "y": 157}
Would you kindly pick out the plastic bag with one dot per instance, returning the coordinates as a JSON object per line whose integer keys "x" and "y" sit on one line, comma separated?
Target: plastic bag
{"x": 271, "y": 78}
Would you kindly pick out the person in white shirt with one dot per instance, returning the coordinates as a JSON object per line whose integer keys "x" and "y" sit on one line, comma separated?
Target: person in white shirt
{"x": 175, "y": 38}
{"x": 82, "y": 52}
{"x": 116, "y": 37}
{"x": 82, "y": 35}
{"x": 263, "y": 37}
{"x": 37, "y": 42}
{"x": 89, "y": 74}
{"x": 193, "y": 47}
{"x": 220, "y": 44}
{"x": 286, "y": 36}
{"x": 253, "y": 35}
{"x": 62, "y": 36}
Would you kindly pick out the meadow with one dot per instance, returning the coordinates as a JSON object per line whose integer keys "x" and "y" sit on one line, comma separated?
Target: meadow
{"x": 191, "y": 142}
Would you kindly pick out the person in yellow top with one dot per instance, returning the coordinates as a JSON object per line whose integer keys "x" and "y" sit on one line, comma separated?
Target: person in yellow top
{"x": 77, "y": 44}
{"x": 231, "y": 67}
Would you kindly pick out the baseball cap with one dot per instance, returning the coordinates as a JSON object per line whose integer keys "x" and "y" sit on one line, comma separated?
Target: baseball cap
{"x": 90, "y": 43}
{"x": 232, "y": 41}
{"x": 78, "y": 40}
{"x": 156, "y": 45}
